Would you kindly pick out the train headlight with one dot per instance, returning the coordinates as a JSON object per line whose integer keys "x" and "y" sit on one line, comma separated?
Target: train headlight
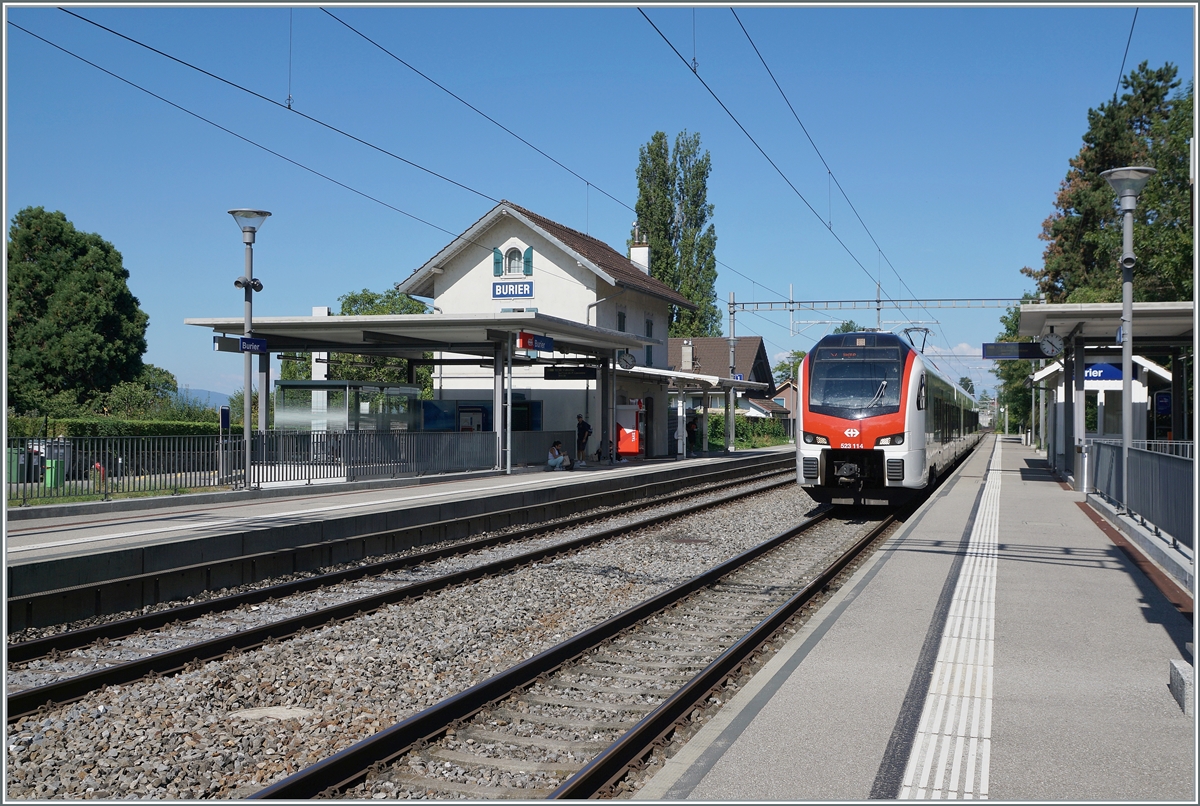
{"x": 894, "y": 439}
{"x": 815, "y": 439}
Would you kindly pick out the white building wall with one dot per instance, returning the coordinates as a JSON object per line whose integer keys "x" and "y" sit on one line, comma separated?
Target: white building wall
{"x": 562, "y": 288}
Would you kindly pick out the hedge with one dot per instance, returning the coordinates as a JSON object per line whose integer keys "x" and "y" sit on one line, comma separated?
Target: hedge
{"x": 105, "y": 427}
{"x": 748, "y": 432}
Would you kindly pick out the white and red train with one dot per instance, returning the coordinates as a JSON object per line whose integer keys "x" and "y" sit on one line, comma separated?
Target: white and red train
{"x": 878, "y": 422}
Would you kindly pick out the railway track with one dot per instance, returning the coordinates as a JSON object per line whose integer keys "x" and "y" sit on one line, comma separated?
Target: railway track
{"x": 572, "y": 721}
{"x": 78, "y": 662}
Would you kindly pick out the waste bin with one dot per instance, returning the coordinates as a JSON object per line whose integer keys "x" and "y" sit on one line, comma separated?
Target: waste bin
{"x": 14, "y": 465}
{"x": 54, "y": 472}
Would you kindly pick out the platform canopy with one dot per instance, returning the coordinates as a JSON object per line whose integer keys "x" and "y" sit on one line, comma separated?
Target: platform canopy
{"x": 1155, "y": 324}
{"x": 691, "y": 380}
{"x": 410, "y": 335}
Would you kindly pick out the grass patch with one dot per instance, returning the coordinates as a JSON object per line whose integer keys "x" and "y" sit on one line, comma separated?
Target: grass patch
{"x": 16, "y": 503}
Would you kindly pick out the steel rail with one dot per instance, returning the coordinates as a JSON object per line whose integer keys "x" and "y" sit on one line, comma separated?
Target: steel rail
{"x": 25, "y": 651}
{"x": 612, "y": 764}
{"x": 348, "y": 766}
{"x": 23, "y": 703}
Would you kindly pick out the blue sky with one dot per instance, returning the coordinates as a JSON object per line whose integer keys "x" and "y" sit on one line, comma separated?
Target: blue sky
{"x": 950, "y": 130}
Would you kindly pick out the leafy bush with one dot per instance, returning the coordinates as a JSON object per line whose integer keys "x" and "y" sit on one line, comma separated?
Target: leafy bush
{"x": 25, "y": 426}
{"x": 748, "y": 432}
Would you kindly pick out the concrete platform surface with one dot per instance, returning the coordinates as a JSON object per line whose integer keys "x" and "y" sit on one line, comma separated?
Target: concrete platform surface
{"x": 188, "y": 518}
{"x": 998, "y": 646}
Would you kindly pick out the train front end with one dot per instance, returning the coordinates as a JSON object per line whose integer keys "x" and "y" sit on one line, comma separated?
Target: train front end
{"x": 862, "y": 442}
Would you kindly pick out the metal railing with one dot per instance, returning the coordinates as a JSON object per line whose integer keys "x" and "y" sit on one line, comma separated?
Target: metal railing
{"x": 104, "y": 467}
{"x": 533, "y": 447}
{"x": 1161, "y": 492}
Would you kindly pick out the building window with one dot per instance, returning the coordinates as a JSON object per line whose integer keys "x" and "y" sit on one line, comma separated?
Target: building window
{"x": 621, "y": 321}
{"x": 513, "y": 263}
{"x": 649, "y": 328}
{"x": 649, "y": 355}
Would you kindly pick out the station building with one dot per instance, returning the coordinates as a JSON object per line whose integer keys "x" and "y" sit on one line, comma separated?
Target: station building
{"x": 530, "y": 319}
{"x": 513, "y": 260}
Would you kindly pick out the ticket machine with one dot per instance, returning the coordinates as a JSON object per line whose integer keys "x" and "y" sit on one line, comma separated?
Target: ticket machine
{"x": 631, "y": 429}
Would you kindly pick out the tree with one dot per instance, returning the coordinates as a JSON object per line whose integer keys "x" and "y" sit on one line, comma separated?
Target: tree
{"x": 849, "y": 326}
{"x": 967, "y": 385}
{"x": 789, "y": 366}
{"x": 74, "y": 328}
{"x": 1013, "y": 393}
{"x": 376, "y": 368}
{"x": 674, "y": 218}
{"x": 1146, "y": 126}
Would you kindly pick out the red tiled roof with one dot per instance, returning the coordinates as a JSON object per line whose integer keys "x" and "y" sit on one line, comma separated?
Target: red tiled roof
{"x": 608, "y": 259}
{"x": 710, "y": 356}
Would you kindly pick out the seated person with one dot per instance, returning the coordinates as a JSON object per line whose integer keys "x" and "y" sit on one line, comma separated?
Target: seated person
{"x": 557, "y": 459}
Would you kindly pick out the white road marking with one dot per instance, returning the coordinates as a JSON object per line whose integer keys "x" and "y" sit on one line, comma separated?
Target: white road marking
{"x": 260, "y": 519}
{"x": 954, "y": 735}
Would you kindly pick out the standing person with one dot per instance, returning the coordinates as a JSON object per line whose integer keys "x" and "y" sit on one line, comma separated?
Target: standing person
{"x": 557, "y": 460}
{"x": 691, "y": 435}
{"x": 583, "y": 432}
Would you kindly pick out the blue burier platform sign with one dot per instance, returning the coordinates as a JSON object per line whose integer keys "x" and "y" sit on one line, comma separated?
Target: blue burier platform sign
{"x": 1101, "y": 372}
{"x": 532, "y": 341}
{"x": 253, "y": 345}
{"x": 512, "y": 289}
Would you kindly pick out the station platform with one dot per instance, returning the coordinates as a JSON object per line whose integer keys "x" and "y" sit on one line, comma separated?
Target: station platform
{"x": 143, "y": 548}
{"x": 999, "y": 646}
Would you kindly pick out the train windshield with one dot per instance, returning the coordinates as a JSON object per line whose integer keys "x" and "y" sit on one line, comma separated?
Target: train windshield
{"x": 856, "y": 382}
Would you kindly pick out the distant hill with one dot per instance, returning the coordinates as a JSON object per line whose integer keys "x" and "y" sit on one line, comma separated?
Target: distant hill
{"x": 213, "y": 400}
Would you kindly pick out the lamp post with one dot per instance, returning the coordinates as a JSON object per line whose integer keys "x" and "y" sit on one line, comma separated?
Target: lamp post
{"x": 1128, "y": 183}
{"x": 249, "y": 221}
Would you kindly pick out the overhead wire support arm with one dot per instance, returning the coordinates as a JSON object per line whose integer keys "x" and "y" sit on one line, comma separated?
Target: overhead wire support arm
{"x": 868, "y": 304}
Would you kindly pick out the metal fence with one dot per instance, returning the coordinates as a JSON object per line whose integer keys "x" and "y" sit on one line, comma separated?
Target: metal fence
{"x": 1161, "y": 474}
{"x": 104, "y": 467}
{"x": 533, "y": 447}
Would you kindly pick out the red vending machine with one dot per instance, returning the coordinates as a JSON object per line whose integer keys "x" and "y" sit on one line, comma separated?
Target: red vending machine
{"x": 631, "y": 429}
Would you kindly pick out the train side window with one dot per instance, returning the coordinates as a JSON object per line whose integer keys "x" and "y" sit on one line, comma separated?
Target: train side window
{"x": 921, "y": 394}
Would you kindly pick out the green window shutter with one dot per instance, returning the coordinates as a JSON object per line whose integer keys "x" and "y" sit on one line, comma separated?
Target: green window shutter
{"x": 529, "y": 262}
{"x": 497, "y": 263}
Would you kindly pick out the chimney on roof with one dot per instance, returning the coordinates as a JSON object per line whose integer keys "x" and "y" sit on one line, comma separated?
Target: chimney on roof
{"x": 686, "y": 359}
{"x": 639, "y": 250}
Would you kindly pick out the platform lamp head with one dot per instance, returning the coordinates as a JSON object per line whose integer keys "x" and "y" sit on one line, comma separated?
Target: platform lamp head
{"x": 249, "y": 221}
{"x": 1128, "y": 184}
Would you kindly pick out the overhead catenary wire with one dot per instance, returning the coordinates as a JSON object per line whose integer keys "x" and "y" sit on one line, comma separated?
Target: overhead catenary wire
{"x": 762, "y": 151}
{"x": 288, "y": 106}
{"x": 477, "y": 111}
{"x": 1121, "y": 74}
{"x": 243, "y": 138}
{"x": 587, "y": 182}
{"x": 833, "y": 177}
{"x": 294, "y": 111}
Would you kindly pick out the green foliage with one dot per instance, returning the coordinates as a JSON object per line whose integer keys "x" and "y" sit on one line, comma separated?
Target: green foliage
{"x": 788, "y": 366}
{"x": 153, "y": 395}
{"x": 348, "y": 367}
{"x": 967, "y": 385}
{"x": 1146, "y": 126}
{"x": 1013, "y": 393}
{"x": 237, "y": 410}
{"x": 74, "y": 329}
{"x": 748, "y": 432}
{"x": 849, "y": 326}
{"x": 33, "y": 426}
{"x": 673, "y": 216}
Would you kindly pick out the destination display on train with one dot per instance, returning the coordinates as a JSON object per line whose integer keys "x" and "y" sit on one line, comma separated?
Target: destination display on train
{"x": 858, "y": 354}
